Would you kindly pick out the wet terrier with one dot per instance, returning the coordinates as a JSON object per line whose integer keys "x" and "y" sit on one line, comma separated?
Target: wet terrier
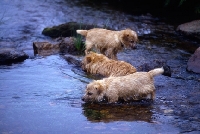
{"x": 100, "y": 64}
{"x": 108, "y": 42}
{"x": 136, "y": 86}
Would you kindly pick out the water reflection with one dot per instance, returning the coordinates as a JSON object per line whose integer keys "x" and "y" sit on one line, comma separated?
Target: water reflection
{"x": 110, "y": 113}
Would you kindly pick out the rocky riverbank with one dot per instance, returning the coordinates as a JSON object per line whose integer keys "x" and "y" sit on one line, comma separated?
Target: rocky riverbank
{"x": 51, "y": 83}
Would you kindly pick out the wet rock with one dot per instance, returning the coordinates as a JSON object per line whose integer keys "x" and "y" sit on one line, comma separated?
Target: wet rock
{"x": 66, "y": 30}
{"x": 11, "y": 55}
{"x": 71, "y": 45}
{"x": 191, "y": 28}
{"x": 194, "y": 62}
{"x": 68, "y": 45}
{"x": 45, "y": 48}
{"x": 73, "y": 59}
{"x": 156, "y": 63}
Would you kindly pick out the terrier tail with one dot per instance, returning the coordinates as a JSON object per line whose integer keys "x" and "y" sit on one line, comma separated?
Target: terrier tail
{"x": 165, "y": 70}
{"x": 82, "y": 32}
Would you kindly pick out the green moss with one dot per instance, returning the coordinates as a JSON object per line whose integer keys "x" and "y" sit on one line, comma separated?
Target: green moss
{"x": 65, "y": 30}
{"x": 52, "y": 32}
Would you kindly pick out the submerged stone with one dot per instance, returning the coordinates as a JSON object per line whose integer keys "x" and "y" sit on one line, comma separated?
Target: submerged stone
{"x": 11, "y": 55}
{"x": 73, "y": 60}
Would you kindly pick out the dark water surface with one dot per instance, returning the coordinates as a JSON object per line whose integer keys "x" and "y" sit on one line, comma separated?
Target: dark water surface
{"x": 43, "y": 94}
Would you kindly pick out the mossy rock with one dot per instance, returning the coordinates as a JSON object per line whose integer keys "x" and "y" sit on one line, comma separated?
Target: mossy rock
{"x": 66, "y": 30}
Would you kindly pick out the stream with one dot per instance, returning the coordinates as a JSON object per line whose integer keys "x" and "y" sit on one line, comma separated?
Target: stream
{"x": 43, "y": 93}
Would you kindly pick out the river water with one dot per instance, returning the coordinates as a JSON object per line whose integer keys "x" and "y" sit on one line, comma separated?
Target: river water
{"x": 43, "y": 94}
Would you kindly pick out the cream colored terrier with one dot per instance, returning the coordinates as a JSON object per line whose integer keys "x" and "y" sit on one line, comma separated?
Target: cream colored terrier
{"x": 99, "y": 64}
{"x": 108, "y": 42}
{"x": 136, "y": 86}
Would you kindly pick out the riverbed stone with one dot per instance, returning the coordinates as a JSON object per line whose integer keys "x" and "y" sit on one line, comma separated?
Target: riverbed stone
{"x": 61, "y": 45}
{"x": 45, "y": 48}
{"x": 149, "y": 65}
{"x": 71, "y": 45}
{"x": 66, "y": 29}
{"x": 11, "y": 55}
{"x": 194, "y": 62}
{"x": 72, "y": 59}
{"x": 190, "y": 28}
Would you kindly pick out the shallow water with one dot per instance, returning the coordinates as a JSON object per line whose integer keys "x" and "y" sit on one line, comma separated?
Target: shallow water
{"x": 43, "y": 94}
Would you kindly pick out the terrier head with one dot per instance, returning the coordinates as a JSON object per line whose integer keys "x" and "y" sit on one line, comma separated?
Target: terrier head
{"x": 129, "y": 38}
{"x": 92, "y": 57}
{"x": 94, "y": 92}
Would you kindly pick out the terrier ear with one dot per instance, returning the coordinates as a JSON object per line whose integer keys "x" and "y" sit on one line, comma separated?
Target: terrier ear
{"x": 99, "y": 89}
{"x": 88, "y": 59}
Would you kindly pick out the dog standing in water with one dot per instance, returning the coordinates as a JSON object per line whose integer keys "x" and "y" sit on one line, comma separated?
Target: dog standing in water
{"x": 100, "y": 64}
{"x": 136, "y": 86}
{"x": 108, "y": 42}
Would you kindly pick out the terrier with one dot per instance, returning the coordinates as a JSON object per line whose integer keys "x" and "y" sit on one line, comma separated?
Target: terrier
{"x": 99, "y": 64}
{"x": 108, "y": 42}
{"x": 136, "y": 86}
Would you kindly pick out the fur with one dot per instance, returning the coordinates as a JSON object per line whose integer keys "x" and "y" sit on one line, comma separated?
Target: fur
{"x": 99, "y": 64}
{"x": 136, "y": 86}
{"x": 108, "y": 42}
